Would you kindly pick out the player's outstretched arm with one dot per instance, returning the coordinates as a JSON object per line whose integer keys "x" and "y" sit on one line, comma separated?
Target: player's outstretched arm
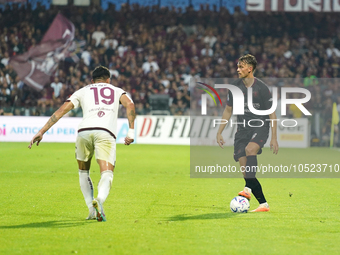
{"x": 274, "y": 145}
{"x": 65, "y": 108}
{"x": 226, "y": 116}
{"x": 131, "y": 115}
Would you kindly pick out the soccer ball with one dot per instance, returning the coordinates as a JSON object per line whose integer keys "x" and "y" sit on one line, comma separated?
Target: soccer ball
{"x": 239, "y": 204}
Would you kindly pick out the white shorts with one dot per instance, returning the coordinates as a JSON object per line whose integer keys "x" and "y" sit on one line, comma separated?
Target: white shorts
{"x": 96, "y": 141}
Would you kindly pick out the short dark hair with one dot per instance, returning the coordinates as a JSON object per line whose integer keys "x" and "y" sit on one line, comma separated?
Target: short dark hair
{"x": 101, "y": 73}
{"x": 249, "y": 59}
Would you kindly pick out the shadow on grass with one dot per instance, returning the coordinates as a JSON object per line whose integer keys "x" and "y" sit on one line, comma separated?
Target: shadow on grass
{"x": 49, "y": 224}
{"x": 195, "y": 206}
{"x": 206, "y": 216}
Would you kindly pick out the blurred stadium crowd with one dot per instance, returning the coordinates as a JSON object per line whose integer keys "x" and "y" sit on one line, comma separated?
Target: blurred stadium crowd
{"x": 152, "y": 50}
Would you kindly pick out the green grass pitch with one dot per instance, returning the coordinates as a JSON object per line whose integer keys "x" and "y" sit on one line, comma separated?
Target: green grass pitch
{"x": 156, "y": 208}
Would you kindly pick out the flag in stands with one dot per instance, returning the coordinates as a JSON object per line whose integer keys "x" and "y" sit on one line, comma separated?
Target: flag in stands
{"x": 335, "y": 115}
{"x": 36, "y": 66}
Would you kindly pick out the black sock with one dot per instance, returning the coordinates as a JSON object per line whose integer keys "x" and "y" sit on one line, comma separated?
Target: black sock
{"x": 251, "y": 180}
{"x": 256, "y": 189}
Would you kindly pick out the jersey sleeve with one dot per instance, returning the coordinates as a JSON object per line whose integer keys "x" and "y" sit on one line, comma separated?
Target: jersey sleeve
{"x": 267, "y": 99}
{"x": 230, "y": 98}
{"x": 120, "y": 93}
{"x": 75, "y": 99}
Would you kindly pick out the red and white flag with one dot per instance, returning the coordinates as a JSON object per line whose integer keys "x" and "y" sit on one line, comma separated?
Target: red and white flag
{"x": 36, "y": 66}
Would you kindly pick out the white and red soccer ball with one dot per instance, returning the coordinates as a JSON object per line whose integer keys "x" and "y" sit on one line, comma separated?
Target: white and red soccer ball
{"x": 239, "y": 204}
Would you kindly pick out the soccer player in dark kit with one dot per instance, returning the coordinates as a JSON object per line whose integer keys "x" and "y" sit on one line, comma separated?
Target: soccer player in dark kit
{"x": 251, "y": 136}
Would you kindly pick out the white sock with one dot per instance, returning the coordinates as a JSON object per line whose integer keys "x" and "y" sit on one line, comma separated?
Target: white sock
{"x": 104, "y": 185}
{"x": 86, "y": 186}
{"x": 248, "y": 190}
{"x": 264, "y": 204}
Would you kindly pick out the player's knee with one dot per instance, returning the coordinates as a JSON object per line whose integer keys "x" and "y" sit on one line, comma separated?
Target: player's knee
{"x": 84, "y": 165}
{"x": 250, "y": 174}
{"x": 251, "y": 150}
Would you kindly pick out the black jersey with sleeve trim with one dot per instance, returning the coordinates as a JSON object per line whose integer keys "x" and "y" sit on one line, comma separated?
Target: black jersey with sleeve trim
{"x": 262, "y": 100}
